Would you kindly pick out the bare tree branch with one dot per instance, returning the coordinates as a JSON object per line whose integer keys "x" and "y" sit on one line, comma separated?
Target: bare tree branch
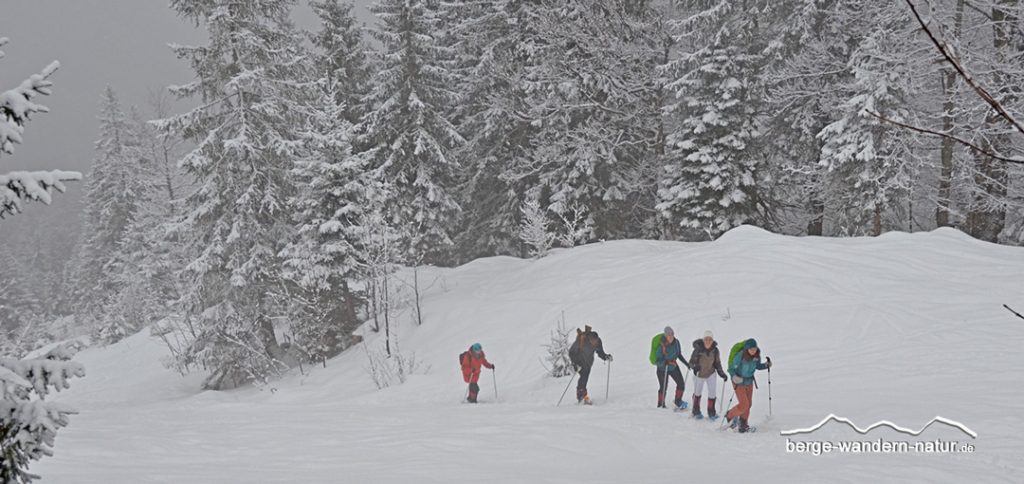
{"x": 981, "y": 91}
{"x": 962, "y": 141}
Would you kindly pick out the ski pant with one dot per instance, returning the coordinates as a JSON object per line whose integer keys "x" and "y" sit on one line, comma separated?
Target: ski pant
{"x": 698, "y": 385}
{"x": 673, "y": 371}
{"x": 581, "y": 385}
{"x": 744, "y": 398}
{"x": 474, "y": 389}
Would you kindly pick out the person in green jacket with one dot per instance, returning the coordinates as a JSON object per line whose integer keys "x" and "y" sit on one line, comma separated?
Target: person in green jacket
{"x": 667, "y": 353}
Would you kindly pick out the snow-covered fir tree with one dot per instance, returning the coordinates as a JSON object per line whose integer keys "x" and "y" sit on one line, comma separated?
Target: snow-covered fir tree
{"x": 410, "y": 139}
{"x": 328, "y": 252}
{"x": 113, "y": 190}
{"x": 712, "y": 169}
{"x": 16, "y": 108}
{"x": 251, "y": 80}
{"x": 28, "y": 422}
{"x": 341, "y": 55}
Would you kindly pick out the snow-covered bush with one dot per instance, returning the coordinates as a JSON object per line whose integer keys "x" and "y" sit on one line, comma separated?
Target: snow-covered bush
{"x": 28, "y": 423}
{"x": 559, "y": 364}
{"x": 386, "y": 371}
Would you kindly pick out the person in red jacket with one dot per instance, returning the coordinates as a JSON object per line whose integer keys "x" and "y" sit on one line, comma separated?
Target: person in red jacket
{"x": 472, "y": 360}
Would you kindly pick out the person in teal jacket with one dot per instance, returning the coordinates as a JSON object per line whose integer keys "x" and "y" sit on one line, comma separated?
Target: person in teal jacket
{"x": 667, "y": 353}
{"x": 742, "y": 368}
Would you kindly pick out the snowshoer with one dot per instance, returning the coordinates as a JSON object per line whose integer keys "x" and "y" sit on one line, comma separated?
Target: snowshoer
{"x": 705, "y": 361}
{"x": 581, "y": 353}
{"x": 471, "y": 360}
{"x": 742, "y": 369}
{"x": 666, "y": 355}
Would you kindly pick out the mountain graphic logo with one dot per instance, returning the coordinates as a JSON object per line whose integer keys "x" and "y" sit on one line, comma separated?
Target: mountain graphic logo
{"x": 883, "y": 423}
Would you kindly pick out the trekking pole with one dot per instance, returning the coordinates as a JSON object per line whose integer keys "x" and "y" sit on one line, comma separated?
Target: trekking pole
{"x": 769, "y": 388}
{"x": 608, "y": 382}
{"x": 1012, "y": 311}
{"x": 725, "y": 416}
{"x": 574, "y": 370}
{"x": 495, "y": 380}
{"x": 724, "y": 384}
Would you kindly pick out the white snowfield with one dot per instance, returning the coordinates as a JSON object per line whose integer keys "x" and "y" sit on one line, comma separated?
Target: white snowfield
{"x": 900, "y": 328}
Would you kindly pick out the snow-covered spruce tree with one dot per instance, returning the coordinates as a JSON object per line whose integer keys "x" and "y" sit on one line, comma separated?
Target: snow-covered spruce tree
{"x": 341, "y": 56}
{"x": 872, "y": 165}
{"x": 411, "y": 141}
{"x": 17, "y": 108}
{"x": 29, "y": 423}
{"x": 595, "y": 100}
{"x": 328, "y": 252}
{"x": 112, "y": 194}
{"x": 712, "y": 167}
{"x": 499, "y": 46}
{"x": 250, "y": 79}
{"x": 146, "y": 259}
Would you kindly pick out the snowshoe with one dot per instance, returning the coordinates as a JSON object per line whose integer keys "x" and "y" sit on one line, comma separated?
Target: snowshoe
{"x": 698, "y": 416}
{"x": 713, "y": 418}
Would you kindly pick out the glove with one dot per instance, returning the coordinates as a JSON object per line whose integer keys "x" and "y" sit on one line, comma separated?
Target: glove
{"x": 694, "y": 369}
{"x": 609, "y": 357}
{"x": 737, "y": 380}
{"x": 725, "y": 378}
{"x": 493, "y": 366}
{"x": 769, "y": 362}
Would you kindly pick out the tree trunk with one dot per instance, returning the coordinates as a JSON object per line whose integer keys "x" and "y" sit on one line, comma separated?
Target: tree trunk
{"x": 949, "y": 81}
{"x": 987, "y": 217}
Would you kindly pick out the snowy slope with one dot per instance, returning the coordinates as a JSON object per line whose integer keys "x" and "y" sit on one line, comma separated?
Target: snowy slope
{"x": 902, "y": 327}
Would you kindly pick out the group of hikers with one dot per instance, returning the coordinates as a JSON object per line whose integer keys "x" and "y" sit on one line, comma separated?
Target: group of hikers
{"x": 666, "y": 354}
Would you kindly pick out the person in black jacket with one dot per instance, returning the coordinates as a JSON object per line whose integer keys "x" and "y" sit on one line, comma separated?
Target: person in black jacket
{"x": 581, "y": 353}
{"x": 705, "y": 361}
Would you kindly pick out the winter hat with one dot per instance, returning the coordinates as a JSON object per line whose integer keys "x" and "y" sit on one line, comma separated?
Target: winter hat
{"x": 476, "y": 347}
{"x": 708, "y": 334}
{"x": 751, "y": 343}
{"x": 669, "y": 332}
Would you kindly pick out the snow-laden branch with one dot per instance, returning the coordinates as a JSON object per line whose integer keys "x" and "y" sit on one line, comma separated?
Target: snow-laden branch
{"x": 951, "y": 58}
{"x": 17, "y": 186}
{"x": 16, "y": 106}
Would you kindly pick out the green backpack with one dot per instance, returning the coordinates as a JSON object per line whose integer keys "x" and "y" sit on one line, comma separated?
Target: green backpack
{"x": 654, "y": 348}
{"x": 736, "y": 348}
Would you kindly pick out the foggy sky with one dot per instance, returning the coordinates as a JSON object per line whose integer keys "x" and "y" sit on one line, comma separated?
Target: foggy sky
{"x": 121, "y": 43}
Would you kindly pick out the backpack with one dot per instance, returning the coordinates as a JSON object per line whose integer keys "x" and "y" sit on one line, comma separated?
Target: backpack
{"x": 464, "y": 359}
{"x": 655, "y": 342}
{"x": 736, "y": 348}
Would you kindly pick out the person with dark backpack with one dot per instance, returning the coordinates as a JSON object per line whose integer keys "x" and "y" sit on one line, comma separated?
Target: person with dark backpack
{"x": 705, "y": 361}
{"x": 581, "y": 353}
{"x": 742, "y": 367}
{"x": 471, "y": 361}
{"x": 666, "y": 354}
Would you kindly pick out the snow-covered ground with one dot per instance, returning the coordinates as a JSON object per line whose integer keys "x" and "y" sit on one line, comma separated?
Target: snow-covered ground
{"x": 900, "y": 328}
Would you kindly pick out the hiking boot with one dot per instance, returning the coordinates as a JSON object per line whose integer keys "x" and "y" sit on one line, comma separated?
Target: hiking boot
{"x": 711, "y": 408}
{"x": 696, "y": 405}
{"x": 661, "y": 400}
{"x": 586, "y": 400}
{"x": 678, "y": 400}
{"x": 743, "y": 426}
{"x": 734, "y": 422}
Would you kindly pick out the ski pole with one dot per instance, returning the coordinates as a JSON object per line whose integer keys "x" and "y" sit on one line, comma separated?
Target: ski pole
{"x": 574, "y": 370}
{"x": 608, "y": 382}
{"x": 495, "y": 380}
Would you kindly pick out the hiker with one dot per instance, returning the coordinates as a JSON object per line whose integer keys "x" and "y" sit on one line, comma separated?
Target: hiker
{"x": 668, "y": 352}
{"x": 581, "y": 353}
{"x": 742, "y": 368}
{"x": 471, "y": 360}
{"x": 705, "y": 361}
